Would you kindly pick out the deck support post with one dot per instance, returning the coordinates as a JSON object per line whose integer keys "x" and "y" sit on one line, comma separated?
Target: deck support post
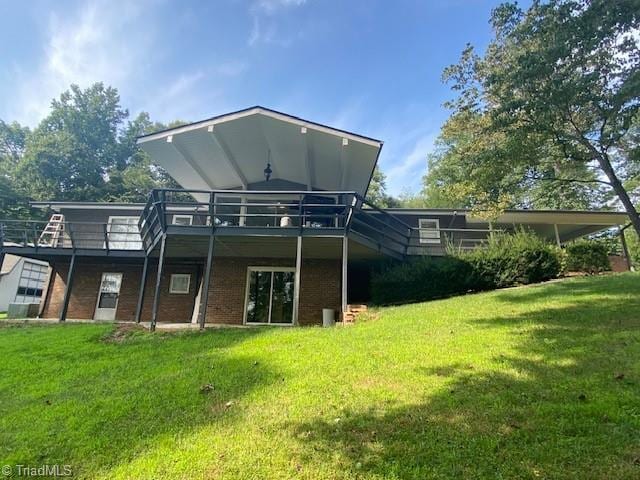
{"x": 625, "y": 249}
{"x": 557, "y": 232}
{"x": 204, "y": 295}
{"x": 143, "y": 283}
{"x": 345, "y": 256}
{"x": 297, "y": 281}
{"x": 67, "y": 289}
{"x": 156, "y": 292}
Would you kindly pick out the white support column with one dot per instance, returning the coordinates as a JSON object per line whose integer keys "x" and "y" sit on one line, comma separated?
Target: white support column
{"x": 555, "y": 229}
{"x": 297, "y": 279}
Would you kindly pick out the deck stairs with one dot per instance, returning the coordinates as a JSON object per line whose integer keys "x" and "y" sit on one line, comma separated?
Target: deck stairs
{"x": 352, "y": 312}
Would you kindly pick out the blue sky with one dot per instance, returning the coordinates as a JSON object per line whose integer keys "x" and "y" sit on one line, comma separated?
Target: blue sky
{"x": 372, "y": 67}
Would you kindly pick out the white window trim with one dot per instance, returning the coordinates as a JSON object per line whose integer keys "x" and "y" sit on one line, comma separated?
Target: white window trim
{"x": 180, "y": 292}
{"x": 246, "y": 293}
{"x": 177, "y": 216}
{"x": 423, "y": 231}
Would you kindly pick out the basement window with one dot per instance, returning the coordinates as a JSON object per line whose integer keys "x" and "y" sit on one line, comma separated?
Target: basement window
{"x": 429, "y": 230}
{"x": 180, "y": 283}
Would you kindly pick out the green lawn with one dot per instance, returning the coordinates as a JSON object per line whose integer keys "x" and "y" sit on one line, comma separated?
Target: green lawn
{"x": 539, "y": 382}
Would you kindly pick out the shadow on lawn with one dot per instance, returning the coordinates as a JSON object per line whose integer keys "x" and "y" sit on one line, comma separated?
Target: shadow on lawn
{"x": 564, "y": 405}
{"x": 117, "y": 400}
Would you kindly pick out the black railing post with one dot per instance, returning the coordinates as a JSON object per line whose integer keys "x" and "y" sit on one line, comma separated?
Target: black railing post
{"x": 67, "y": 289}
{"x": 1, "y": 245}
{"x": 204, "y": 295}
{"x": 162, "y": 208}
{"x": 106, "y": 237}
{"x": 156, "y": 293}
{"x": 143, "y": 284}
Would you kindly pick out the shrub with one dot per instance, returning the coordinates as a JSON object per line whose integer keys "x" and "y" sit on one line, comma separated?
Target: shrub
{"x": 421, "y": 278}
{"x": 506, "y": 260}
{"x": 587, "y": 256}
{"x": 512, "y": 259}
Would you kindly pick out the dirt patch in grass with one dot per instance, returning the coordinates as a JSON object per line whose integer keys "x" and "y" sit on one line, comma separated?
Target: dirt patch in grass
{"x": 123, "y": 332}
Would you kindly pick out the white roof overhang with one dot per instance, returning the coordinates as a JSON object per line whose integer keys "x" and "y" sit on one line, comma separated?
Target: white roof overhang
{"x": 231, "y": 151}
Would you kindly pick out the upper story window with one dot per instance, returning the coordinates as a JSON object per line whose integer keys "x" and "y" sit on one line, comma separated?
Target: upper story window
{"x": 429, "y": 229}
{"x": 124, "y": 234}
{"x": 183, "y": 220}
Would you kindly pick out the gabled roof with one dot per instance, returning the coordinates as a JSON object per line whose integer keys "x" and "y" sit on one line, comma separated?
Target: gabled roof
{"x": 232, "y": 150}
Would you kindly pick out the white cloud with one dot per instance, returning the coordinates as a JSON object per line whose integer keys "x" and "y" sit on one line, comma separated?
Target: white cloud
{"x": 407, "y": 172}
{"x": 102, "y": 42}
{"x": 264, "y": 28}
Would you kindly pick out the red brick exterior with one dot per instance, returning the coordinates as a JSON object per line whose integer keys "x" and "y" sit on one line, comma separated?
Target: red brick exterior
{"x": 320, "y": 288}
{"x": 84, "y": 292}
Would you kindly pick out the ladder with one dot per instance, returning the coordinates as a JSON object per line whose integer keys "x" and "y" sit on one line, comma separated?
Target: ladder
{"x": 51, "y": 233}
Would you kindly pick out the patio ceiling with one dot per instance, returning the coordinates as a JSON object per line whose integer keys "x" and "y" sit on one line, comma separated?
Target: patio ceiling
{"x": 231, "y": 152}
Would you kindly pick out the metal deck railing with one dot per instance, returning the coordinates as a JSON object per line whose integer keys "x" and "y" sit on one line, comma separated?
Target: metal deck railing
{"x": 245, "y": 212}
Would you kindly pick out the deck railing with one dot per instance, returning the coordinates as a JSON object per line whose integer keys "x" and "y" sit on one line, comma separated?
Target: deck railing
{"x": 241, "y": 212}
{"x": 70, "y": 235}
{"x": 317, "y": 212}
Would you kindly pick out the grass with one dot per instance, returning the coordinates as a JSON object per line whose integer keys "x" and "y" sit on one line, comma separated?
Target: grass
{"x": 539, "y": 382}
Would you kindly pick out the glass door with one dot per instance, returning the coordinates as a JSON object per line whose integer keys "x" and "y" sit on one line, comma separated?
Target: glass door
{"x": 270, "y": 293}
{"x": 108, "y": 296}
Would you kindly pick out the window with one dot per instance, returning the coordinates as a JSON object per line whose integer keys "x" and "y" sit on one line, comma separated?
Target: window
{"x": 31, "y": 282}
{"x": 183, "y": 219}
{"x": 124, "y": 234}
{"x": 180, "y": 283}
{"x": 429, "y": 230}
{"x": 270, "y": 292}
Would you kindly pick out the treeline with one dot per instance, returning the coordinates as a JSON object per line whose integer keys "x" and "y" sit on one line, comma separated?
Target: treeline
{"x": 84, "y": 150}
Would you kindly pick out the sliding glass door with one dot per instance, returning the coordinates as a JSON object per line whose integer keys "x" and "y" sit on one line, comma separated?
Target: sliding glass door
{"x": 270, "y": 292}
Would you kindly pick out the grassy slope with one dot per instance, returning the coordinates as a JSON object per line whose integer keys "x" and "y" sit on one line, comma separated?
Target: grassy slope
{"x": 483, "y": 386}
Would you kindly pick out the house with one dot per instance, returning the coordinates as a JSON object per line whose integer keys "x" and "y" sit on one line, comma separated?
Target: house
{"x": 22, "y": 280}
{"x": 270, "y": 227}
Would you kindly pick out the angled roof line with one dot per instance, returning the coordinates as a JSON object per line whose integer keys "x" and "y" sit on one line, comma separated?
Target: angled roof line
{"x": 248, "y": 111}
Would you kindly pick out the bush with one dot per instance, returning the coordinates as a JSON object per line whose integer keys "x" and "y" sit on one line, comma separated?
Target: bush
{"x": 421, "y": 278}
{"x": 512, "y": 259}
{"x": 505, "y": 260}
{"x": 587, "y": 256}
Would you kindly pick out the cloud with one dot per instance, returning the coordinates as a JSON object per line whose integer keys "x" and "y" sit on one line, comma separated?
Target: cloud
{"x": 264, "y": 25}
{"x": 407, "y": 172}
{"x": 102, "y": 42}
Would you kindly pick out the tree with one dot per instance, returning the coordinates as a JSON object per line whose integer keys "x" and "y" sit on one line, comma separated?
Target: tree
{"x": 85, "y": 150}
{"x": 554, "y": 97}
{"x": 13, "y": 203}
{"x": 377, "y": 192}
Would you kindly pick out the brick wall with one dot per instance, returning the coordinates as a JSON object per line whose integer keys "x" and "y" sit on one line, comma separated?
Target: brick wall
{"x": 84, "y": 292}
{"x": 320, "y": 288}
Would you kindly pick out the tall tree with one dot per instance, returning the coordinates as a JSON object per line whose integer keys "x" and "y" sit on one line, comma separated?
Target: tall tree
{"x": 555, "y": 94}
{"x": 13, "y": 202}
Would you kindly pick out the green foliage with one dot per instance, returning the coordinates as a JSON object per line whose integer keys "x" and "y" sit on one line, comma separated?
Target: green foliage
{"x": 422, "y": 278}
{"x": 587, "y": 256}
{"x": 545, "y": 118}
{"x": 506, "y": 260}
{"x": 377, "y": 192}
{"x": 633, "y": 244}
{"x": 84, "y": 150}
{"x": 512, "y": 259}
{"x": 530, "y": 383}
